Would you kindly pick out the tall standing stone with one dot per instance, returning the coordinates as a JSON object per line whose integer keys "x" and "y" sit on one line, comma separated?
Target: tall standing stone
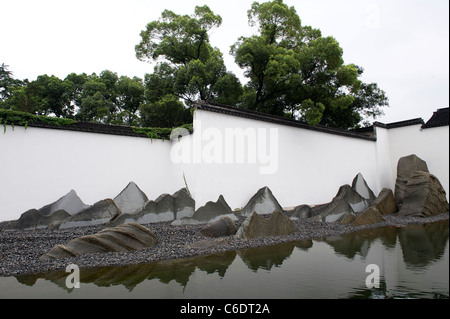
{"x": 424, "y": 196}
{"x": 406, "y": 166}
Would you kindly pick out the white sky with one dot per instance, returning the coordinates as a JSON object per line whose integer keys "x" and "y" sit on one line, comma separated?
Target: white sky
{"x": 403, "y": 45}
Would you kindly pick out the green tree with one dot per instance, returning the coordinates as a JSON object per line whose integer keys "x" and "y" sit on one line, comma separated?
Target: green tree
{"x": 168, "y": 111}
{"x": 294, "y": 71}
{"x": 191, "y": 68}
{"x": 130, "y": 97}
{"x": 99, "y": 99}
{"x": 6, "y": 82}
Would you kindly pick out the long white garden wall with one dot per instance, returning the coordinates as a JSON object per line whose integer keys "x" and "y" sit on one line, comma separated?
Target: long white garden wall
{"x": 38, "y": 166}
{"x": 300, "y": 166}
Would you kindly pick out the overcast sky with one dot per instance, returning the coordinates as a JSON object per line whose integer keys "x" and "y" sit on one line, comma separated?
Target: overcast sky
{"x": 403, "y": 45}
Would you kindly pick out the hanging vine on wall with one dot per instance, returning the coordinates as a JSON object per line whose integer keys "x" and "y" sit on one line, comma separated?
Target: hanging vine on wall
{"x": 9, "y": 117}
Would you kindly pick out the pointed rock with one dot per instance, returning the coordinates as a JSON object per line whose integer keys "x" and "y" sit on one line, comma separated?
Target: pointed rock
{"x": 131, "y": 199}
{"x": 128, "y": 237}
{"x": 347, "y": 200}
{"x": 359, "y": 184}
{"x": 165, "y": 208}
{"x": 257, "y": 225}
{"x": 70, "y": 202}
{"x": 385, "y": 202}
{"x": 263, "y": 202}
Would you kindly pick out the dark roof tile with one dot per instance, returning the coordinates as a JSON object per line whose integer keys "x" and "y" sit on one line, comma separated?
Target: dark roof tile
{"x": 231, "y": 110}
{"x": 439, "y": 118}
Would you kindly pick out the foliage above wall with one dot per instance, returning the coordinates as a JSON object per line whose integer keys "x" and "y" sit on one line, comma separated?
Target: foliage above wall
{"x": 9, "y": 117}
{"x": 13, "y": 118}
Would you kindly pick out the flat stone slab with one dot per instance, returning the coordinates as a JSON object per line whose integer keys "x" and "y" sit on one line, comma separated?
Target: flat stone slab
{"x": 122, "y": 238}
{"x": 32, "y": 219}
{"x": 368, "y": 217}
{"x": 257, "y": 225}
{"x": 99, "y": 213}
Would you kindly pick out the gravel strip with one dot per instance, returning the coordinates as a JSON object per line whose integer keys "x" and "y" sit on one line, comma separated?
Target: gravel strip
{"x": 20, "y": 250}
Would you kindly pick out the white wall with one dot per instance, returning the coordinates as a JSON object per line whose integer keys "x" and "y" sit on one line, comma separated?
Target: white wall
{"x": 311, "y": 165}
{"x": 38, "y": 166}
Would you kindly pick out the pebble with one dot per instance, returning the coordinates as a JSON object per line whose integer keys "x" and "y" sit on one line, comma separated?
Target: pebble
{"x": 20, "y": 250}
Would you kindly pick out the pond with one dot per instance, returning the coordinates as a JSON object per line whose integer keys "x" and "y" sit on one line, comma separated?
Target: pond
{"x": 413, "y": 262}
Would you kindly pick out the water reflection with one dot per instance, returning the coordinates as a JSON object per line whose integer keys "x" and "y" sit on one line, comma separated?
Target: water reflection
{"x": 420, "y": 245}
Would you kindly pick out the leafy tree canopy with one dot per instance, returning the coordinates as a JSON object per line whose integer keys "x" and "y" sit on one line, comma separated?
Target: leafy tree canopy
{"x": 295, "y": 71}
{"x": 191, "y": 68}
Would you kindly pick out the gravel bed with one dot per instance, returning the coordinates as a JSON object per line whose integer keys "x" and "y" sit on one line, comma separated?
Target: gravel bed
{"x": 20, "y": 250}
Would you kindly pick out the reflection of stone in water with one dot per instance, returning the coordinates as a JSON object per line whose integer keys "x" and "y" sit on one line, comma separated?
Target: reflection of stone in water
{"x": 268, "y": 256}
{"x": 422, "y": 244}
{"x": 130, "y": 276}
{"x": 351, "y": 244}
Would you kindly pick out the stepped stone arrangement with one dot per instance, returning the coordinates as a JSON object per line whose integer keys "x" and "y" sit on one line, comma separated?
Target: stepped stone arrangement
{"x": 127, "y": 237}
{"x": 417, "y": 193}
{"x": 210, "y": 212}
{"x": 258, "y": 226}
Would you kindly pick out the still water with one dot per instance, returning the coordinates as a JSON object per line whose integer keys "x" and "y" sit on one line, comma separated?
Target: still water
{"x": 413, "y": 263}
